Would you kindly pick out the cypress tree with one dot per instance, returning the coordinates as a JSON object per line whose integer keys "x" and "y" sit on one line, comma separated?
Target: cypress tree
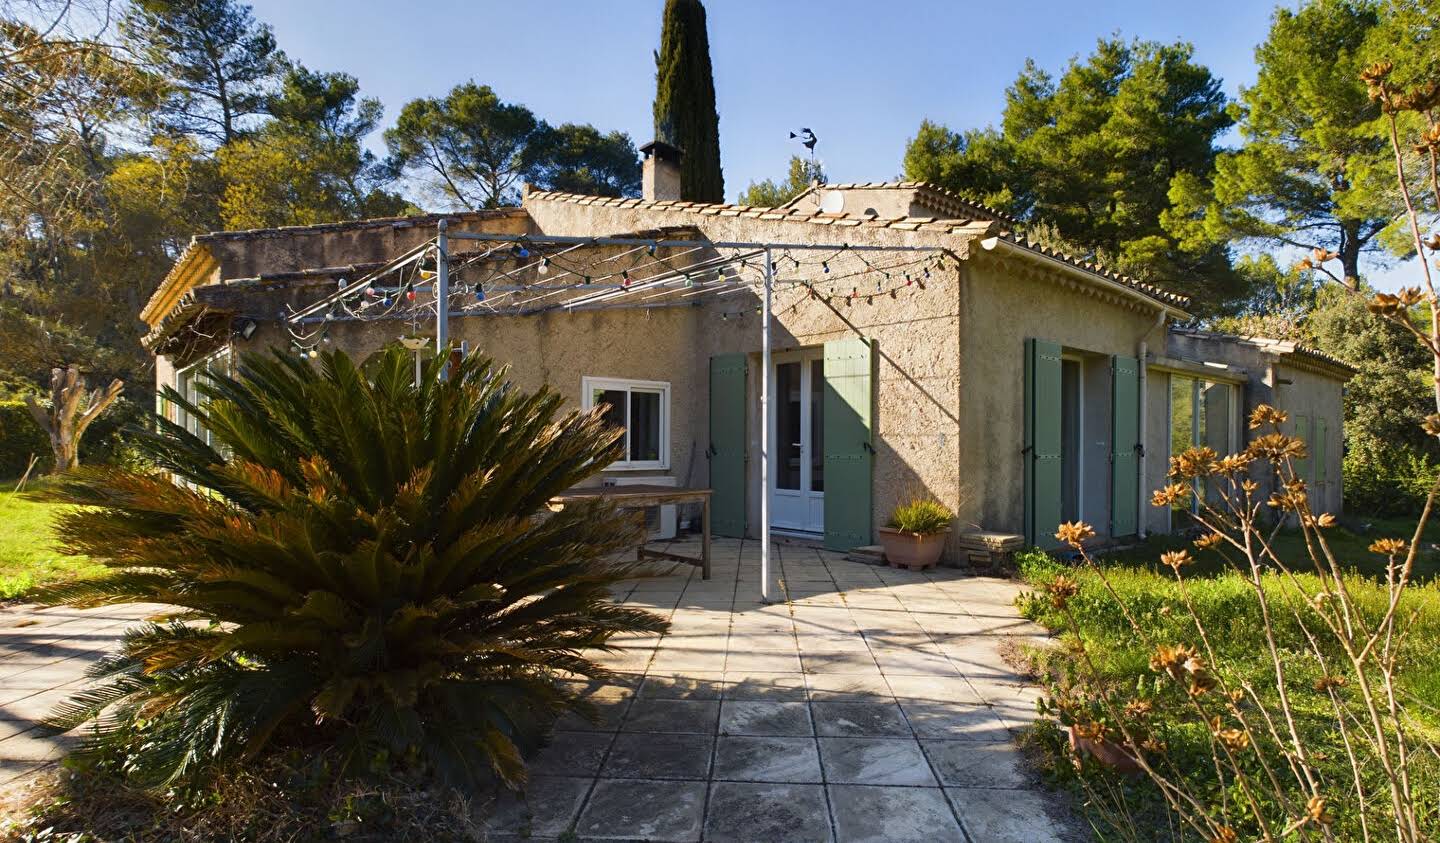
{"x": 685, "y": 115}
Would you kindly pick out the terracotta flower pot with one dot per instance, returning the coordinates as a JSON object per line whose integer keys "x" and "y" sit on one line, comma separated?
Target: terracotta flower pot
{"x": 1109, "y": 753}
{"x": 912, "y": 550}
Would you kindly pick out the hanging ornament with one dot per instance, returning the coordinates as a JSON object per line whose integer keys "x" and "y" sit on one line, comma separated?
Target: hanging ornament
{"x": 340, "y": 282}
{"x": 523, "y": 252}
{"x": 410, "y": 295}
{"x": 927, "y": 272}
{"x": 587, "y": 279}
{"x": 544, "y": 267}
{"x": 479, "y": 293}
{"x": 626, "y": 276}
{"x": 689, "y": 282}
{"x": 892, "y": 292}
{"x": 385, "y": 302}
{"x": 825, "y": 265}
{"x": 869, "y": 299}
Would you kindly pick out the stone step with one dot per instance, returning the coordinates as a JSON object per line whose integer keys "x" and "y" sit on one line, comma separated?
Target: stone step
{"x": 872, "y": 554}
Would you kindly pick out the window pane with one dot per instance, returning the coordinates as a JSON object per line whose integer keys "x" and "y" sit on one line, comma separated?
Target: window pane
{"x": 613, "y": 400}
{"x": 644, "y": 426}
{"x": 817, "y": 426}
{"x": 1182, "y": 422}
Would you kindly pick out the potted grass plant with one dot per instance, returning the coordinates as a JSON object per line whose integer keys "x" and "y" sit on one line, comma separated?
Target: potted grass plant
{"x": 915, "y": 535}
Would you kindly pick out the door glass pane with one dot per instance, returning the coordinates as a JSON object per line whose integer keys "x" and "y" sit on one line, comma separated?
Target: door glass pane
{"x": 787, "y": 425}
{"x": 817, "y": 425}
{"x": 644, "y": 426}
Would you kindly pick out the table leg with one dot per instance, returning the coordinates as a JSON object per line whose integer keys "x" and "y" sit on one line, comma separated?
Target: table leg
{"x": 705, "y": 539}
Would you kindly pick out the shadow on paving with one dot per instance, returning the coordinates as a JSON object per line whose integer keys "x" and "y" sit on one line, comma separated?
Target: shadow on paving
{"x": 872, "y": 705}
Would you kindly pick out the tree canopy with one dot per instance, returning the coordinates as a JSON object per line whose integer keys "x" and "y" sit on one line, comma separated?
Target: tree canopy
{"x": 769, "y": 193}
{"x": 475, "y": 150}
{"x": 1094, "y": 154}
{"x": 218, "y": 61}
{"x": 1309, "y": 173}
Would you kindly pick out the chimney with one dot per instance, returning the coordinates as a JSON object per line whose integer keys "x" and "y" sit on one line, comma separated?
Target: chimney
{"x": 660, "y": 171}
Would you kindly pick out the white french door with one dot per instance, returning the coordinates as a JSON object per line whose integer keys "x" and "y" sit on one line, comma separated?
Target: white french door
{"x": 797, "y": 483}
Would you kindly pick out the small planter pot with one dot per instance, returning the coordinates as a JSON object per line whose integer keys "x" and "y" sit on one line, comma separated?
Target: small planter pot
{"x": 1111, "y": 754}
{"x": 912, "y": 550}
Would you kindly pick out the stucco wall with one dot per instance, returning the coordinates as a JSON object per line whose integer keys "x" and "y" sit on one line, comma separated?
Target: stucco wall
{"x": 1006, "y": 301}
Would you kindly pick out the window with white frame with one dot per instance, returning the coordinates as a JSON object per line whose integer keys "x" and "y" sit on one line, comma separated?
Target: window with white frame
{"x": 187, "y": 381}
{"x": 642, "y": 409}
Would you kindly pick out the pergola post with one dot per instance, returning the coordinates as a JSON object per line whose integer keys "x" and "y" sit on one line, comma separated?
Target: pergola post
{"x": 442, "y": 290}
{"x": 765, "y": 594}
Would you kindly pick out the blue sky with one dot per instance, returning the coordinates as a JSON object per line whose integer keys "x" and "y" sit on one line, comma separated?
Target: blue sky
{"x": 862, "y": 75}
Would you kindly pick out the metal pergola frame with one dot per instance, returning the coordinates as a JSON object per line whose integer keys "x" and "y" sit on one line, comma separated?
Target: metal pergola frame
{"x": 600, "y": 295}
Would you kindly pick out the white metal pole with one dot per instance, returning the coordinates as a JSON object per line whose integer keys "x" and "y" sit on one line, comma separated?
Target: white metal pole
{"x": 765, "y": 432}
{"x": 442, "y": 291}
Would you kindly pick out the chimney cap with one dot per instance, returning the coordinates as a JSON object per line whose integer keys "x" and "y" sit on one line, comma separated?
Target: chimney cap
{"x": 661, "y": 150}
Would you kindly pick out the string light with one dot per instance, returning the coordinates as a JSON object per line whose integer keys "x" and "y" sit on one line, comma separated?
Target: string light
{"x": 504, "y": 283}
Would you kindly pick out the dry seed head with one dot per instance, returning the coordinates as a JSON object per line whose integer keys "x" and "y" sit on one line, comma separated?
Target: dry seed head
{"x": 1384, "y": 304}
{"x": 1432, "y": 424}
{"x": 1328, "y": 683}
{"x": 1265, "y": 414}
{"x": 1276, "y": 447}
{"x": 1225, "y": 834}
{"x": 1136, "y": 709}
{"x": 1315, "y": 811}
{"x": 1061, "y": 589}
{"x": 1193, "y": 462}
{"x": 1074, "y": 532}
{"x": 1235, "y": 463}
{"x": 1388, "y": 547}
{"x": 1172, "y": 660}
{"x": 1171, "y": 494}
{"x": 1209, "y": 540}
{"x": 1176, "y": 559}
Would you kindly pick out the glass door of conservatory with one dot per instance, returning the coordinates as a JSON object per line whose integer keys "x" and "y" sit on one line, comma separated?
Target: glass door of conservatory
{"x": 797, "y": 485}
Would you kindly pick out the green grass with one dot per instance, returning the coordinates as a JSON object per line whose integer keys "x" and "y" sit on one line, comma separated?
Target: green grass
{"x": 1348, "y": 545}
{"x": 1230, "y": 611}
{"x": 28, "y": 557}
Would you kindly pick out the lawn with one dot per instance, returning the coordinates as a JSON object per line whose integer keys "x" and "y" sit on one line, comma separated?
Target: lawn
{"x": 1229, "y": 610}
{"x": 1350, "y": 543}
{"x": 27, "y": 554}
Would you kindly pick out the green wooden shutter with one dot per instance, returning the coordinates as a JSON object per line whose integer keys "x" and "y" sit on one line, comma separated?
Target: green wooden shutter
{"x": 1042, "y": 442}
{"x": 1322, "y": 473}
{"x": 1302, "y": 432}
{"x": 727, "y": 445}
{"x": 849, "y": 452}
{"x": 1125, "y": 442}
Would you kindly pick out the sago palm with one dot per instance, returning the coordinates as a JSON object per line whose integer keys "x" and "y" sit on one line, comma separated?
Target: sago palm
{"x": 354, "y": 561}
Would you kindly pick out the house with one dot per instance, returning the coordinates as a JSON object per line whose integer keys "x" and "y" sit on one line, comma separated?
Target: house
{"x": 920, "y": 345}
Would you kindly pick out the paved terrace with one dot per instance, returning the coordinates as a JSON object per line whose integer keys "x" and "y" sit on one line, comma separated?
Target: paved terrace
{"x": 872, "y": 705}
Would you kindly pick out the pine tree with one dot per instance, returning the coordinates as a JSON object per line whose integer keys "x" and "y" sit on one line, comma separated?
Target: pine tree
{"x": 220, "y": 62}
{"x": 685, "y": 115}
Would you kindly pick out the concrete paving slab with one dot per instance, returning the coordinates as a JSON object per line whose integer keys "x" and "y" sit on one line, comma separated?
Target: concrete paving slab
{"x": 643, "y": 809}
{"x": 994, "y": 764}
{"x": 547, "y": 808}
{"x": 767, "y": 759}
{"x": 859, "y": 719}
{"x": 676, "y": 716}
{"x": 741, "y": 812}
{"x": 572, "y": 754}
{"x": 763, "y": 717}
{"x": 876, "y": 761}
{"x": 1004, "y": 816}
{"x": 653, "y": 756}
{"x": 894, "y": 815}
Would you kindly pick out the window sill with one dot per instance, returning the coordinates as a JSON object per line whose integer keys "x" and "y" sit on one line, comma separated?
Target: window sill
{"x": 637, "y": 467}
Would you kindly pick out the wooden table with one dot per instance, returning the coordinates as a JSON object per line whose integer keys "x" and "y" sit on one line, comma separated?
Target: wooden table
{"x": 644, "y": 496}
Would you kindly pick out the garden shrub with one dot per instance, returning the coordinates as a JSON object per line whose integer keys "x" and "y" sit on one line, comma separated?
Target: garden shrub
{"x": 356, "y": 564}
